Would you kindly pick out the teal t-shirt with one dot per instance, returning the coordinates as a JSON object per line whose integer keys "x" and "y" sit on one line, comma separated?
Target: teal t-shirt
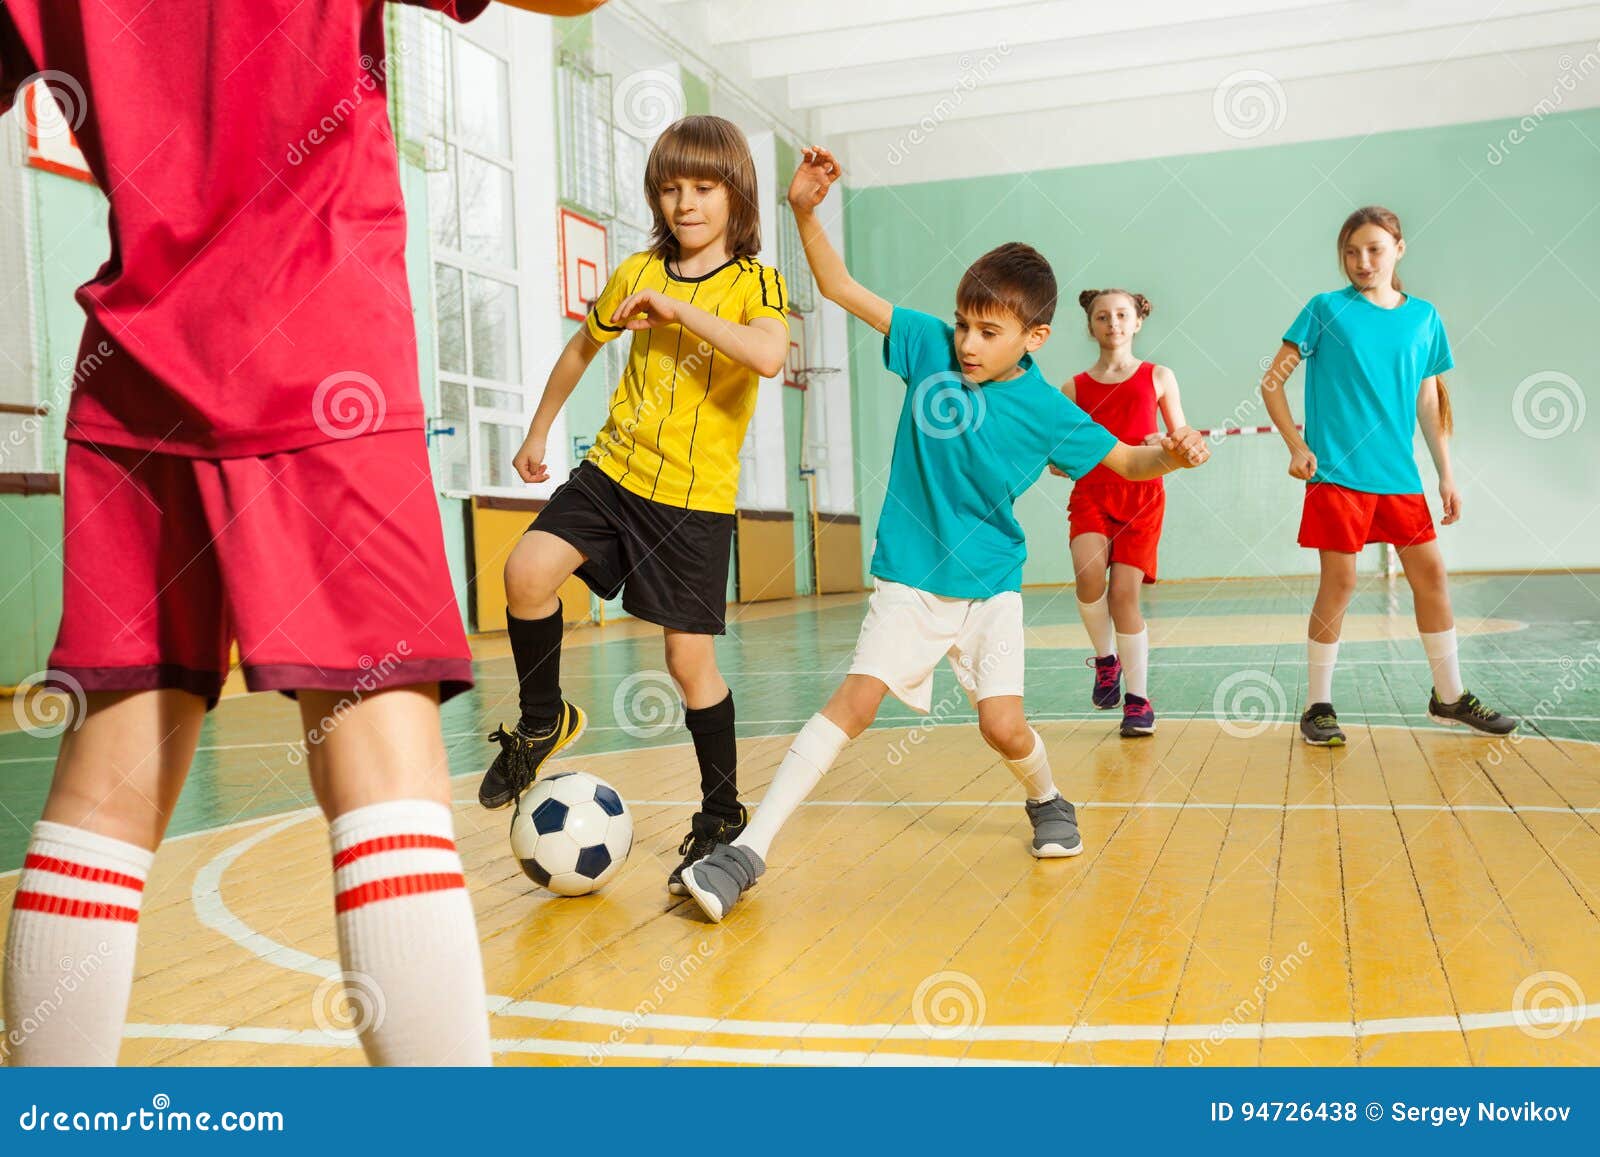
{"x": 1364, "y": 367}
{"x": 962, "y": 455}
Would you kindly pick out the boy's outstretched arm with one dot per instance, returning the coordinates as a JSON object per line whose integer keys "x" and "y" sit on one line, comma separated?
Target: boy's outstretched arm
{"x": 1179, "y": 450}
{"x": 812, "y": 180}
{"x": 556, "y": 7}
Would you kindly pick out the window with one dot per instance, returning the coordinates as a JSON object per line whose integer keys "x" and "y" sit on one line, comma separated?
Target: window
{"x": 454, "y": 114}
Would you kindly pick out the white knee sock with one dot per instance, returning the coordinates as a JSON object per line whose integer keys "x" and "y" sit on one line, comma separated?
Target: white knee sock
{"x": 1320, "y": 659}
{"x": 1097, "y": 621}
{"x": 1033, "y": 772}
{"x": 407, "y": 937}
{"x": 810, "y": 756}
{"x": 1134, "y": 650}
{"x": 1446, "y": 664}
{"x": 70, "y": 947}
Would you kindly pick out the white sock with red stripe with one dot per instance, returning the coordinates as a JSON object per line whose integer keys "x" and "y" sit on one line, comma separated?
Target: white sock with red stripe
{"x": 70, "y": 947}
{"x": 407, "y": 936}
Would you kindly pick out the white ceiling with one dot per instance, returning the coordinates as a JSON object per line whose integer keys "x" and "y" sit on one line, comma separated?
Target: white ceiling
{"x": 882, "y": 67}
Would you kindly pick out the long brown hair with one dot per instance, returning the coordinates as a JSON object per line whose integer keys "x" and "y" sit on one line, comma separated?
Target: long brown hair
{"x": 705, "y": 148}
{"x": 1386, "y": 220}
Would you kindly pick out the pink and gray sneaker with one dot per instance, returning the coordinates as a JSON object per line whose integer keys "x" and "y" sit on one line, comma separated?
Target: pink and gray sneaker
{"x": 1107, "y": 681}
{"x": 1138, "y": 717}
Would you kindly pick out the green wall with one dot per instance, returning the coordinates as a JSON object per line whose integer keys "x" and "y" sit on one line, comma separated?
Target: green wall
{"x": 1228, "y": 246}
{"x": 69, "y": 233}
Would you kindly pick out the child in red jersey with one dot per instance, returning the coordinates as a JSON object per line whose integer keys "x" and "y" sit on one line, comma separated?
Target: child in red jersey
{"x": 1114, "y": 524}
{"x": 246, "y": 463}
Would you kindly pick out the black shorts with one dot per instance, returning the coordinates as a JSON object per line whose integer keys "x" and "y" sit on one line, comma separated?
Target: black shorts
{"x": 669, "y": 563}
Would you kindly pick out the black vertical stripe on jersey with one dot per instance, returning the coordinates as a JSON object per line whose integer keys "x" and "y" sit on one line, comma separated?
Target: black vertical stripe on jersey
{"x": 672, "y": 398}
{"x": 644, "y": 380}
{"x": 710, "y": 366}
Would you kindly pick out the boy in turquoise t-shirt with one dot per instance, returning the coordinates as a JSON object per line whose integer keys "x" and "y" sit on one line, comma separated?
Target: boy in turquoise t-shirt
{"x": 978, "y": 427}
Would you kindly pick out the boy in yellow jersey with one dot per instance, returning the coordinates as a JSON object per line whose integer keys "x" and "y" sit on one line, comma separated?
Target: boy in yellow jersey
{"x": 649, "y": 513}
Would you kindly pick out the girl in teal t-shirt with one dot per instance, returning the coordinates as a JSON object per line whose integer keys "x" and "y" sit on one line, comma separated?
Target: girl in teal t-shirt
{"x": 1374, "y": 358}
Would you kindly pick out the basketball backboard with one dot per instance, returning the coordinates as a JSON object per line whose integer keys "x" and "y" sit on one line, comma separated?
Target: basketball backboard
{"x": 47, "y": 137}
{"x": 584, "y": 268}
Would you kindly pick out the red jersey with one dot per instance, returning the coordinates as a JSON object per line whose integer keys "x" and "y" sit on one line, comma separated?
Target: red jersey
{"x": 255, "y": 299}
{"x": 1127, "y": 409}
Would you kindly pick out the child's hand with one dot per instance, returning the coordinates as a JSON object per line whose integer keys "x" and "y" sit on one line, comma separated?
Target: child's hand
{"x": 1153, "y": 439}
{"x": 529, "y": 461}
{"x": 1186, "y": 446}
{"x": 812, "y": 180}
{"x": 647, "y": 309}
{"x": 1451, "y": 498}
{"x": 1302, "y": 464}
{"x": 1058, "y": 472}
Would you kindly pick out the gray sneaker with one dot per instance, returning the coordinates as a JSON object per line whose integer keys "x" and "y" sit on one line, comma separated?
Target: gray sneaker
{"x": 1055, "y": 829}
{"x": 717, "y": 882}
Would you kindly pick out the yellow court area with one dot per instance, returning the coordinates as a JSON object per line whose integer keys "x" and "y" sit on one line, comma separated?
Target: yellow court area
{"x": 1420, "y": 897}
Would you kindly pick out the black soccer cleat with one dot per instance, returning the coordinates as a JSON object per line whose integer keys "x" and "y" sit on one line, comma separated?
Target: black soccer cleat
{"x": 1320, "y": 726}
{"x": 1469, "y": 711}
{"x": 705, "y": 833}
{"x": 522, "y": 755}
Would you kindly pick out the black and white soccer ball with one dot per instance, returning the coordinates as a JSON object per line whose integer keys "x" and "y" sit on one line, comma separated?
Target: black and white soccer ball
{"x": 571, "y": 833}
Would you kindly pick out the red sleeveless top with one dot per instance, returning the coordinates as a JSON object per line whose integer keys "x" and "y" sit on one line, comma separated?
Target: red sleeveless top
{"x": 1127, "y": 409}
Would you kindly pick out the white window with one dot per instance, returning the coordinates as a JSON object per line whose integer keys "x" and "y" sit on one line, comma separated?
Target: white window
{"x": 456, "y": 91}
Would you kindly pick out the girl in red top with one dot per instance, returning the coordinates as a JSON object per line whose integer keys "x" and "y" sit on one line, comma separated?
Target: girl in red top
{"x": 1113, "y": 523}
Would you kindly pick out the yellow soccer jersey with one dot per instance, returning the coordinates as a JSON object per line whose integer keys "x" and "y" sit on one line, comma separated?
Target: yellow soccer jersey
{"x": 678, "y": 417}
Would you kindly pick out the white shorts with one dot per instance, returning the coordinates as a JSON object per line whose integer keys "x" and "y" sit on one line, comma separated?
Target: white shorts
{"x": 907, "y": 631}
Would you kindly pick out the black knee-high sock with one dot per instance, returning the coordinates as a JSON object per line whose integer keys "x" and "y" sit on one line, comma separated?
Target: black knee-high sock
{"x": 712, "y": 729}
{"x": 536, "y": 647}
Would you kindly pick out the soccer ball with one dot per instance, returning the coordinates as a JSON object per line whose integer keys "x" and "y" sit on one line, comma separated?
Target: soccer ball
{"x": 571, "y": 833}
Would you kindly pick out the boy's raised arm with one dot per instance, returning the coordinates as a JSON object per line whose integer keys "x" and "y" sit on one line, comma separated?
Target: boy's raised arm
{"x": 812, "y": 180}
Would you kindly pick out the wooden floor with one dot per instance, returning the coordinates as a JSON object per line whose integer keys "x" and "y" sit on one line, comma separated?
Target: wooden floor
{"x": 1419, "y": 897}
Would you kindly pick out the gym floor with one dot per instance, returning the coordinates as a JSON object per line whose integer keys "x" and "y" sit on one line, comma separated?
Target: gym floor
{"x": 1421, "y": 896}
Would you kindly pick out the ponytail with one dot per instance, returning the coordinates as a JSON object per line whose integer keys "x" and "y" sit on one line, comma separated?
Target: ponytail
{"x": 1447, "y": 419}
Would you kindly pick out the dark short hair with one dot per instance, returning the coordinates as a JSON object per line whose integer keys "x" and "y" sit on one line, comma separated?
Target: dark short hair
{"x": 1012, "y": 278}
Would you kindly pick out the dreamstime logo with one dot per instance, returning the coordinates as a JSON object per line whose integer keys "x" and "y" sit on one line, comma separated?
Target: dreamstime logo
{"x": 647, "y": 102}
{"x": 349, "y": 1002}
{"x": 57, "y": 117}
{"x": 948, "y": 1004}
{"x": 1248, "y": 702}
{"x": 646, "y": 705}
{"x": 944, "y": 406}
{"x": 972, "y": 74}
{"x": 1248, "y": 103}
{"x": 348, "y": 404}
{"x": 676, "y": 971}
{"x": 1548, "y": 404}
{"x": 1572, "y": 72}
{"x": 1547, "y": 1004}
{"x": 47, "y": 703}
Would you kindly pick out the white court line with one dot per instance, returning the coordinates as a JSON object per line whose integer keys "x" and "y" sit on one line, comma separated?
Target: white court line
{"x": 214, "y": 913}
{"x": 964, "y": 716}
{"x": 316, "y": 1038}
{"x": 1177, "y": 805}
{"x": 880, "y": 726}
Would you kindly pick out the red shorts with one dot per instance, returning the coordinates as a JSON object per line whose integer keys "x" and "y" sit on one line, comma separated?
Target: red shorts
{"x": 326, "y": 564}
{"x": 1336, "y": 518}
{"x": 1129, "y": 515}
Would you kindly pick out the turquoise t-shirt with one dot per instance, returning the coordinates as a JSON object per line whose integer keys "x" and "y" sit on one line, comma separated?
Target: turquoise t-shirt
{"x": 1364, "y": 367}
{"x": 962, "y": 455}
